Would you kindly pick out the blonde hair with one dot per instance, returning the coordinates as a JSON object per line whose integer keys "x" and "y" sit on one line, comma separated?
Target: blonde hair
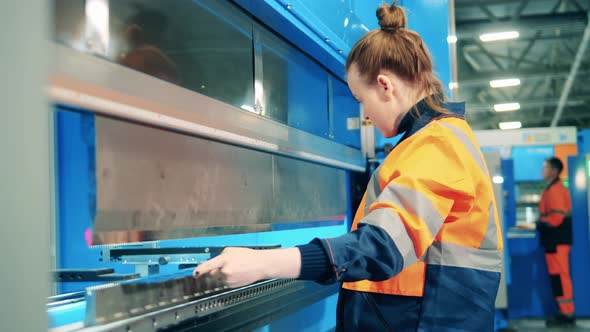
{"x": 395, "y": 48}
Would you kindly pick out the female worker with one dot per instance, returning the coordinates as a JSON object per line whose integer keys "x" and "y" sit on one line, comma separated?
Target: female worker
{"x": 424, "y": 253}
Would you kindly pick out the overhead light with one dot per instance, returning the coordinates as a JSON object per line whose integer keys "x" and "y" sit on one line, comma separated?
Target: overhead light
{"x": 488, "y": 37}
{"x": 453, "y": 85}
{"x": 510, "y": 125}
{"x": 506, "y": 107}
{"x": 451, "y": 39}
{"x": 497, "y": 179}
{"x": 505, "y": 83}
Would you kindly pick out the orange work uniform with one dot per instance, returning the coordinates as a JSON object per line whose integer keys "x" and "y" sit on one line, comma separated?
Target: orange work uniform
{"x": 555, "y": 228}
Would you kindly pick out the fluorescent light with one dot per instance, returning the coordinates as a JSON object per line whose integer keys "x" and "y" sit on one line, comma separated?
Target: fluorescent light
{"x": 248, "y": 108}
{"x": 510, "y": 125}
{"x": 505, "y": 83}
{"x": 507, "y": 107}
{"x": 453, "y": 85}
{"x": 497, "y": 179}
{"x": 451, "y": 39}
{"x": 488, "y": 37}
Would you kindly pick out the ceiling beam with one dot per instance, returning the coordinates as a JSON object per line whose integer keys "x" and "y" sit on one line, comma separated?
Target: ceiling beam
{"x": 566, "y": 21}
{"x": 572, "y": 75}
{"x": 526, "y": 50}
{"x": 491, "y": 57}
{"x": 576, "y": 4}
{"x": 520, "y": 9}
{"x": 488, "y": 13}
{"x": 484, "y": 77}
{"x": 530, "y": 104}
{"x": 472, "y": 3}
{"x": 478, "y": 120}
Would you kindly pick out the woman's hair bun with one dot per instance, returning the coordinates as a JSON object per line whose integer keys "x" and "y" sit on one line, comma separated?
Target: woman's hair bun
{"x": 391, "y": 17}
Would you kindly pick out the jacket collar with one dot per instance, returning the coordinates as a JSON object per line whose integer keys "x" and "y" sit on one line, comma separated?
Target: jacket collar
{"x": 411, "y": 124}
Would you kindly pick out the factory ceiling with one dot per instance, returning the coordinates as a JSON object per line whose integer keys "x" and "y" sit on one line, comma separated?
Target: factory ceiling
{"x": 549, "y": 57}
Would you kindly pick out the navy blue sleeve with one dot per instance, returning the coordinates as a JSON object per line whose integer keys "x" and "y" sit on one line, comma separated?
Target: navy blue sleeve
{"x": 315, "y": 264}
{"x": 366, "y": 253}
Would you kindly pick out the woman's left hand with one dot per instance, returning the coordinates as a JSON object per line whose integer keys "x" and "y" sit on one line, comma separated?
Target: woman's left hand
{"x": 237, "y": 267}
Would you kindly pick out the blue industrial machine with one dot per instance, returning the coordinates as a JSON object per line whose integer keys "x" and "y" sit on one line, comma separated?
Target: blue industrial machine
{"x": 185, "y": 127}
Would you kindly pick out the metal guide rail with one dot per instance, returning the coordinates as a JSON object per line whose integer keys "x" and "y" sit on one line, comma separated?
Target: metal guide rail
{"x": 185, "y": 303}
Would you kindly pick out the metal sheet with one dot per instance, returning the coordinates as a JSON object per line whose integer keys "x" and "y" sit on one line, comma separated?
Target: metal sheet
{"x": 110, "y": 89}
{"x": 154, "y": 184}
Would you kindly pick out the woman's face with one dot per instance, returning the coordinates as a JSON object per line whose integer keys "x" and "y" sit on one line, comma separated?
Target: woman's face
{"x": 379, "y": 101}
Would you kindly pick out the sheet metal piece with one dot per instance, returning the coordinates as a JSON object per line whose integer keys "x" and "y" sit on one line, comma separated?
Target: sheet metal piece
{"x": 115, "y": 302}
{"x": 110, "y": 89}
{"x": 154, "y": 184}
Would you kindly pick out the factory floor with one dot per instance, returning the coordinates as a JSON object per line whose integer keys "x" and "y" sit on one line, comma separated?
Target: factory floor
{"x": 538, "y": 325}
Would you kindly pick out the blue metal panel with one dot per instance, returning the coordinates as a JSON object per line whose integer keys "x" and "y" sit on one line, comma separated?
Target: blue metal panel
{"x": 529, "y": 294}
{"x": 584, "y": 141}
{"x": 283, "y": 21}
{"x": 320, "y": 316}
{"x": 508, "y": 187}
{"x": 324, "y": 29}
{"x": 580, "y": 269}
{"x": 308, "y": 95}
{"x": 528, "y": 161}
{"x": 344, "y": 106}
{"x": 430, "y": 18}
{"x": 76, "y": 194}
{"x": 66, "y": 314}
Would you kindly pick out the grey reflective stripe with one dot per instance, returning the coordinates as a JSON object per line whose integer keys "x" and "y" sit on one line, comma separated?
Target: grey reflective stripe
{"x": 566, "y": 301}
{"x": 490, "y": 240}
{"x": 393, "y": 225}
{"x": 473, "y": 150}
{"x": 373, "y": 191}
{"x": 414, "y": 202}
{"x": 450, "y": 254}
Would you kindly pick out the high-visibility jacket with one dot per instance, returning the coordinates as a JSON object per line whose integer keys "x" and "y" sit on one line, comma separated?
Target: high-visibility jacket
{"x": 555, "y": 224}
{"x": 425, "y": 251}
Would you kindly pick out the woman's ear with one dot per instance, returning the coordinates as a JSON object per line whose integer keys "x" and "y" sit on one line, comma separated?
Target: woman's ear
{"x": 385, "y": 86}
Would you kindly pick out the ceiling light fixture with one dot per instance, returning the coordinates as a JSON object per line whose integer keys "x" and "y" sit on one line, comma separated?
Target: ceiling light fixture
{"x": 510, "y": 125}
{"x": 507, "y": 107}
{"x": 488, "y": 37}
{"x": 505, "y": 83}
